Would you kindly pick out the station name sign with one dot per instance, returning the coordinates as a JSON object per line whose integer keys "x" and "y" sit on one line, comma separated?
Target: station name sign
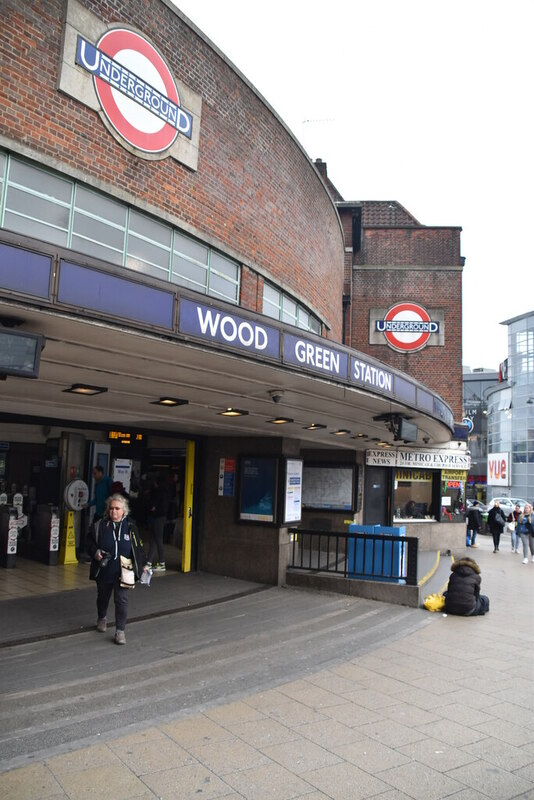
{"x": 437, "y": 459}
{"x": 253, "y": 337}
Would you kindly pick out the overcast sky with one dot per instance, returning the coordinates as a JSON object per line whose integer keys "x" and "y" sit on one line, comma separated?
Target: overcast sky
{"x": 421, "y": 101}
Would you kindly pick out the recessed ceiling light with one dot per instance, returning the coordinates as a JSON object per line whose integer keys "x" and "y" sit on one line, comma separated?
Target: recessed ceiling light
{"x": 86, "y": 389}
{"x": 280, "y": 420}
{"x": 341, "y": 432}
{"x": 169, "y": 401}
{"x": 233, "y": 412}
{"x": 313, "y": 427}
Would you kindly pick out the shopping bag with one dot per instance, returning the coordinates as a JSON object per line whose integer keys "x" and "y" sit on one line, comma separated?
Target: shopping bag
{"x": 127, "y": 573}
{"x": 434, "y": 602}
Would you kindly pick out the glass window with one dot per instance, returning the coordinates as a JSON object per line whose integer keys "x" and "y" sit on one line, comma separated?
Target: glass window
{"x": 289, "y": 311}
{"x": 315, "y": 325}
{"x": 187, "y": 273}
{"x": 412, "y": 498}
{"x": 224, "y": 278}
{"x": 221, "y": 287}
{"x": 271, "y": 301}
{"x": 38, "y": 181}
{"x": 92, "y": 248}
{"x": 149, "y": 246}
{"x": 57, "y": 210}
{"x": 39, "y": 230}
{"x": 188, "y": 247}
{"x": 37, "y": 203}
{"x": 223, "y": 266}
{"x": 304, "y": 319}
{"x": 3, "y": 163}
{"x": 99, "y": 226}
{"x": 278, "y": 305}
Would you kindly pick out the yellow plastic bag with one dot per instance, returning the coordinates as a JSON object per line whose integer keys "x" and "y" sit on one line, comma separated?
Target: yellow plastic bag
{"x": 434, "y": 602}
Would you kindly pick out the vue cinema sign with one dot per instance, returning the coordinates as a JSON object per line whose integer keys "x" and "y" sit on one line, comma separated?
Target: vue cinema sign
{"x": 498, "y": 471}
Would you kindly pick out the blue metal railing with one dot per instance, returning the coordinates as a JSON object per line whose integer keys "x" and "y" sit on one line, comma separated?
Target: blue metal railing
{"x": 356, "y": 555}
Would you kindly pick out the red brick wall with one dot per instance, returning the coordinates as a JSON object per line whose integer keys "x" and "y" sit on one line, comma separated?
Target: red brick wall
{"x": 413, "y": 263}
{"x": 439, "y": 368}
{"x": 255, "y": 194}
{"x": 428, "y": 246}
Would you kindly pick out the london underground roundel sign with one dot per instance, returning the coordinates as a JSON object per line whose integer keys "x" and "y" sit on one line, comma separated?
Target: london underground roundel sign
{"x": 136, "y": 90}
{"x": 407, "y": 327}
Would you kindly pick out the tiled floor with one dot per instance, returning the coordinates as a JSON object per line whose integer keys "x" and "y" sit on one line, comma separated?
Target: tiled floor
{"x": 33, "y": 578}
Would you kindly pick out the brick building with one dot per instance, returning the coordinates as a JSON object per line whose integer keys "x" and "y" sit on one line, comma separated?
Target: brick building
{"x": 390, "y": 257}
{"x": 167, "y": 242}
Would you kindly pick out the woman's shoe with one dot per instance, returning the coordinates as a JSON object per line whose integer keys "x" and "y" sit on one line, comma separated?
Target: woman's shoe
{"x": 101, "y": 625}
{"x": 525, "y": 561}
{"x": 120, "y": 637}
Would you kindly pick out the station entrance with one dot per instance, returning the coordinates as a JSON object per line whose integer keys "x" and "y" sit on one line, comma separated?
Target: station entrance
{"x": 40, "y": 465}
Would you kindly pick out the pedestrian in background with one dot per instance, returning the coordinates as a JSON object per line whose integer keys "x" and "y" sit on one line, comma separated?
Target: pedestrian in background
{"x": 474, "y": 524}
{"x": 159, "y": 509}
{"x": 496, "y": 523}
{"x": 101, "y": 492}
{"x": 525, "y": 529}
{"x": 512, "y": 525}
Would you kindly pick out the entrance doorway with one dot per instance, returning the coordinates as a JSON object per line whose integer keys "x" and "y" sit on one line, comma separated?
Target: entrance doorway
{"x": 377, "y": 496}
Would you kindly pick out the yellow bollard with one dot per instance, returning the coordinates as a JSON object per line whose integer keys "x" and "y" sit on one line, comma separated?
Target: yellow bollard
{"x": 67, "y": 550}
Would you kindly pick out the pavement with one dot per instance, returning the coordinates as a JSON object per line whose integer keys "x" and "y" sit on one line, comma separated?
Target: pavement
{"x": 431, "y": 707}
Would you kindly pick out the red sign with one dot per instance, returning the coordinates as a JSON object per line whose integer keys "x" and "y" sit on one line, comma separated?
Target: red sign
{"x": 407, "y": 327}
{"x": 136, "y": 89}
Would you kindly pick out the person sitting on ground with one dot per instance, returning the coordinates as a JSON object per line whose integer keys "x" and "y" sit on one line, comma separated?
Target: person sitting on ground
{"x": 463, "y": 596}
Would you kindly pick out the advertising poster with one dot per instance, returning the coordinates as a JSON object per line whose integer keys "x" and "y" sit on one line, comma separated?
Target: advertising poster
{"x": 293, "y": 491}
{"x": 257, "y": 500}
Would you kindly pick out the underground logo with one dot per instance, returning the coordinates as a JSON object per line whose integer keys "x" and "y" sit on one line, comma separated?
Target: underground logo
{"x": 407, "y": 327}
{"x": 136, "y": 90}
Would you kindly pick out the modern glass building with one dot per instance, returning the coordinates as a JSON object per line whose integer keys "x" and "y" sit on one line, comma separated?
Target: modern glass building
{"x": 476, "y": 385}
{"x": 510, "y": 408}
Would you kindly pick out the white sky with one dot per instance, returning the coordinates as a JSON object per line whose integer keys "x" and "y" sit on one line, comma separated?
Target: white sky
{"x": 427, "y": 102}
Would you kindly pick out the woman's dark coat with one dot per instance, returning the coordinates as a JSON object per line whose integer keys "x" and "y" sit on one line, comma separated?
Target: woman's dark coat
{"x": 464, "y": 587}
{"x": 128, "y": 544}
{"x": 496, "y": 519}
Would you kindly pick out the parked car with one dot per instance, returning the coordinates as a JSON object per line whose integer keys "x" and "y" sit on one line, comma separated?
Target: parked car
{"x": 482, "y": 507}
{"x": 508, "y": 504}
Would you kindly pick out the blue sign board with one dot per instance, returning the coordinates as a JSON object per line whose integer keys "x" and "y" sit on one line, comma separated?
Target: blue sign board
{"x": 214, "y": 325}
{"x": 100, "y": 291}
{"x": 303, "y": 352}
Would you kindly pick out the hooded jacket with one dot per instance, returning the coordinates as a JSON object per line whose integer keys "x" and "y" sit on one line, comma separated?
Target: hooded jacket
{"x": 464, "y": 587}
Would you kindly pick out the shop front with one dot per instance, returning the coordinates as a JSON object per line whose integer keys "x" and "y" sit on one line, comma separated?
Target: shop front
{"x": 427, "y": 493}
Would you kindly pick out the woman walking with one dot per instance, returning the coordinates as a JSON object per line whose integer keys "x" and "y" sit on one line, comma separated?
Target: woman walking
{"x": 113, "y": 536}
{"x": 525, "y": 530}
{"x": 496, "y": 523}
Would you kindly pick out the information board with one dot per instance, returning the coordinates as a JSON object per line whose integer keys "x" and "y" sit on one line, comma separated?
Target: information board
{"x": 328, "y": 486}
